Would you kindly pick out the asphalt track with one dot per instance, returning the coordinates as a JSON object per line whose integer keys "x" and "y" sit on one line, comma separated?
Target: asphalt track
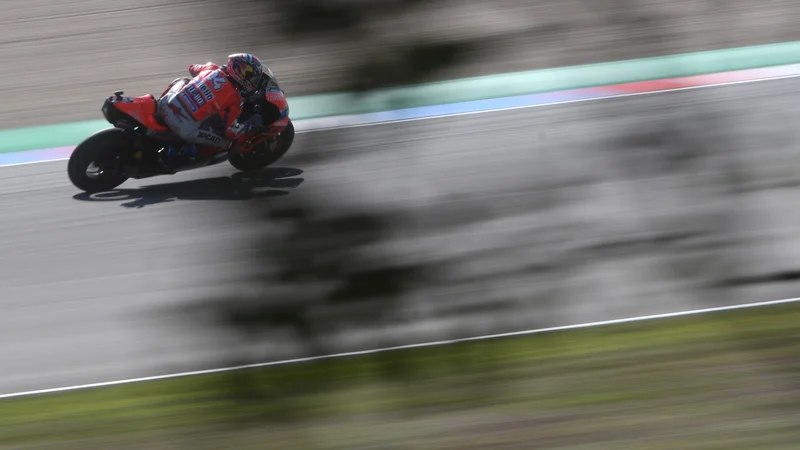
{"x": 84, "y": 284}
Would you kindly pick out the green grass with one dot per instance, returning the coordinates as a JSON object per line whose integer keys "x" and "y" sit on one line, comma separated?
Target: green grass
{"x": 726, "y": 380}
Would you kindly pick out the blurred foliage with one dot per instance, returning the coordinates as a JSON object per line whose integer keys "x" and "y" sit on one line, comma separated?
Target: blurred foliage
{"x": 680, "y": 383}
{"x": 409, "y": 61}
{"x": 319, "y": 274}
{"x": 347, "y": 18}
{"x": 324, "y": 273}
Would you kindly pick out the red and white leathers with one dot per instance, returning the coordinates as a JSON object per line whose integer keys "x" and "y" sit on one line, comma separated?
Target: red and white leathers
{"x": 187, "y": 104}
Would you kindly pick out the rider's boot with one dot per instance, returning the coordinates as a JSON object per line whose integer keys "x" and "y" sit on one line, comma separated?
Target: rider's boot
{"x": 175, "y": 151}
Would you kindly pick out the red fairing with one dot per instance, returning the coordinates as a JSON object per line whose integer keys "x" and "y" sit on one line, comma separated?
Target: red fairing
{"x": 279, "y": 100}
{"x": 277, "y": 127}
{"x": 142, "y": 109}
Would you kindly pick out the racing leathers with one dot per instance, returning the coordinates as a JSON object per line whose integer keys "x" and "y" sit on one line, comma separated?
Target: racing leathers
{"x": 190, "y": 106}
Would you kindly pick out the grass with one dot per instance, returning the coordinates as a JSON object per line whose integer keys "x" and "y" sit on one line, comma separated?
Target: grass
{"x": 720, "y": 381}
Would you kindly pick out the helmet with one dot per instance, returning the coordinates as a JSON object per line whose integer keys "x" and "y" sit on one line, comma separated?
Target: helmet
{"x": 245, "y": 70}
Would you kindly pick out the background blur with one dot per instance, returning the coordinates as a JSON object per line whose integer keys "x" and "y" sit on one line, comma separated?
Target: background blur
{"x": 94, "y": 47}
{"x": 405, "y": 233}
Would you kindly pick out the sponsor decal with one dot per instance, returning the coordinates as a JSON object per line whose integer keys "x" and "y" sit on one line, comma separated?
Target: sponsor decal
{"x": 209, "y": 137}
{"x": 276, "y": 98}
{"x": 218, "y": 80}
{"x": 187, "y": 101}
{"x": 207, "y": 94}
{"x": 195, "y": 95}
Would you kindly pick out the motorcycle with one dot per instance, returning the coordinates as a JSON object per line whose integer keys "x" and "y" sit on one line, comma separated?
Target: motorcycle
{"x": 134, "y": 146}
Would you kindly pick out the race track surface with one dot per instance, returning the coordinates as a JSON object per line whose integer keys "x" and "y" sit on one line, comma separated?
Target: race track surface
{"x": 84, "y": 283}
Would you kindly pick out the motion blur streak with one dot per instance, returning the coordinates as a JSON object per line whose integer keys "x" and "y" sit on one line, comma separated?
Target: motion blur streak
{"x": 480, "y": 106}
{"x": 406, "y": 347}
{"x": 69, "y": 324}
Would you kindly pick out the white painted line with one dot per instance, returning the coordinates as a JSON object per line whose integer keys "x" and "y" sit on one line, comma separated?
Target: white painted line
{"x": 299, "y": 123}
{"x": 33, "y": 162}
{"x": 556, "y": 103}
{"x": 406, "y": 347}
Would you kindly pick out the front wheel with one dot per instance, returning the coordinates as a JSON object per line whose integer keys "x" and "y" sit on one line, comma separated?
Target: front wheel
{"x": 86, "y": 164}
{"x": 265, "y": 154}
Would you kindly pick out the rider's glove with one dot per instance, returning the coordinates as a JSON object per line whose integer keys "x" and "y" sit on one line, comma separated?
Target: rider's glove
{"x": 254, "y": 123}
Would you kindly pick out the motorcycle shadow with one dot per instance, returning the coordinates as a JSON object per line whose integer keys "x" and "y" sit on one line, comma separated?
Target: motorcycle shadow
{"x": 270, "y": 182}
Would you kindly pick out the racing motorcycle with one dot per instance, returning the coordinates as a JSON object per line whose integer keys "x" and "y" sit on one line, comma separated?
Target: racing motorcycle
{"x": 134, "y": 146}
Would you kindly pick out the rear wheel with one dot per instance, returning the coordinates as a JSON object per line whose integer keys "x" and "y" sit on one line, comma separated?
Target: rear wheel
{"x": 88, "y": 163}
{"x": 264, "y": 155}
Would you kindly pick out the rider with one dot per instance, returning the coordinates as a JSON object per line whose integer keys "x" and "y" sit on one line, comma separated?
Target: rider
{"x": 216, "y": 92}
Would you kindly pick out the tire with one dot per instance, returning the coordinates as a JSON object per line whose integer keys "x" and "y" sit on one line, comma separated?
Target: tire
{"x": 261, "y": 156}
{"x": 104, "y": 145}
